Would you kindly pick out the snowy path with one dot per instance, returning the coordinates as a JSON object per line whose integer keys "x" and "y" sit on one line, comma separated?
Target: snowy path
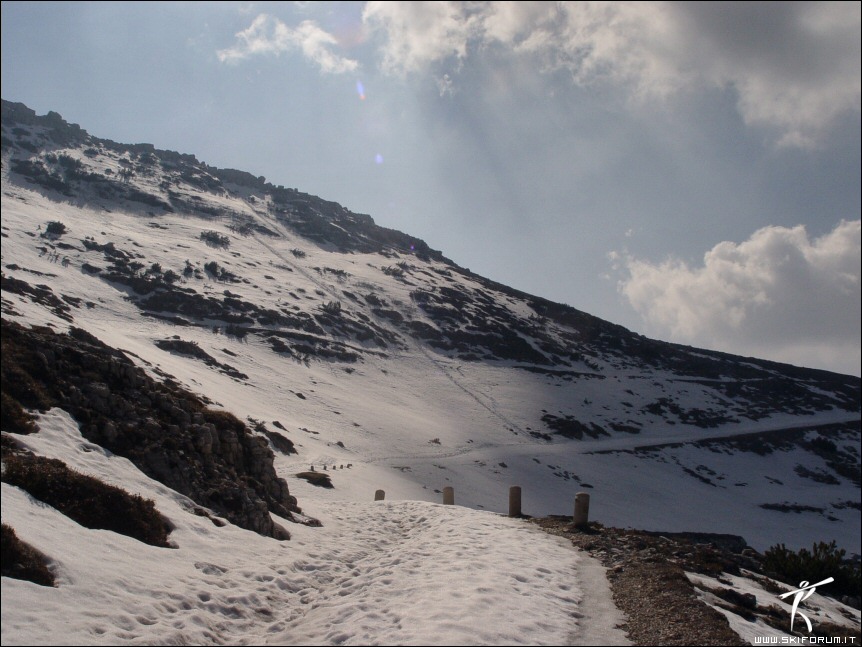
{"x": 419, "y": 573}
{"x": 376, "y": 573}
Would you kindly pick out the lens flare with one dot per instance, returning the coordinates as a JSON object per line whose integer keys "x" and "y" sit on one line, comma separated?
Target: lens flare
{"x": 378, "y": 159}
{"x": 360, "y": 90}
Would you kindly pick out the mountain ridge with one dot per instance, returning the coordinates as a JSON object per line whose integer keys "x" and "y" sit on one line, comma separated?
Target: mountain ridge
{"x": 63, "y": 132}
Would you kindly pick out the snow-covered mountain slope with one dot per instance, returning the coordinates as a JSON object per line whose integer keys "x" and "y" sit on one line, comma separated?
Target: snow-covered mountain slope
{"x": 390, "y": 367}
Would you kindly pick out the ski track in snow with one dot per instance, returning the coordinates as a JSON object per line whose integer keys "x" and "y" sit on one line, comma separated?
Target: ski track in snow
{"x": 490, "y": 408}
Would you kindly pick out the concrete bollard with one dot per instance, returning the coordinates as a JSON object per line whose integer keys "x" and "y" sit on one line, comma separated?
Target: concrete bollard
{"x": 448, "y": 495}
{"x": 582, "y": 509}
{"x": 515, "y": 501}
{"x": 379, "y": 495}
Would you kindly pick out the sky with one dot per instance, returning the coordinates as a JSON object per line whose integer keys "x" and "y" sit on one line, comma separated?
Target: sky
{"x": 688, "y": 170}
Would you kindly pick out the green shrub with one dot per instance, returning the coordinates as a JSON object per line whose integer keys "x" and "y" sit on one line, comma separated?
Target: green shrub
{"x": 21, "y": 561}
{"x": 87, "y": 500}
{"x": 56, "y": 228}
{"x": 320, "y": 479}
{"x": 224, "y": 420}
{"x": 218, "y": 273}
{"x": 821, "y": 562}
{"x": 215, "y": 239}
{"x": 332, "y": 307}
{"x": 282, "y": 444}
{"x": 232, "y": 330}
{"x": 17, "y": 383}
{"x": 73, "y": 167}
{"x": 13, "y": 416}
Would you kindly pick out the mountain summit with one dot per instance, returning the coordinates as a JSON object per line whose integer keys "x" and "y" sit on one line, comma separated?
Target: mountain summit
{"x": 226, "y": 334}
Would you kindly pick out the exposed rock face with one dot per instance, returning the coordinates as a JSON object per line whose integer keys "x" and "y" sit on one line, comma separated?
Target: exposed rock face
{"x": 210, "y": 456}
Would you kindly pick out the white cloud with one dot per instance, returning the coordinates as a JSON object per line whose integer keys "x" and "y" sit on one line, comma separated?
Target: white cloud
{"x": 795, "y": 67}
{"x": 419, "y": 33}
{"x": 513, "y": 22}
{"x": 267, "y": 36}
{"x": 777, "y": 295}
{"x": 630, "y": 43}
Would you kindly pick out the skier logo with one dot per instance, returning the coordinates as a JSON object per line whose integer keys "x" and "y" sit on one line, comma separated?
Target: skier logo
{"x": 801, "y": 594}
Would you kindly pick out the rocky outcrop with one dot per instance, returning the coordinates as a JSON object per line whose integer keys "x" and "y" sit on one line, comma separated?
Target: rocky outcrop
{"x": 208, "y": 455}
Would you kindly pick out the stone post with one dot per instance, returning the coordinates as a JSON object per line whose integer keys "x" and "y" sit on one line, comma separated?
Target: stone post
{"x": 515, "y": 501}
{"x": 582, "y": 509}
{"x": 379, "y": 495}
{"x": 448, "y": 495}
